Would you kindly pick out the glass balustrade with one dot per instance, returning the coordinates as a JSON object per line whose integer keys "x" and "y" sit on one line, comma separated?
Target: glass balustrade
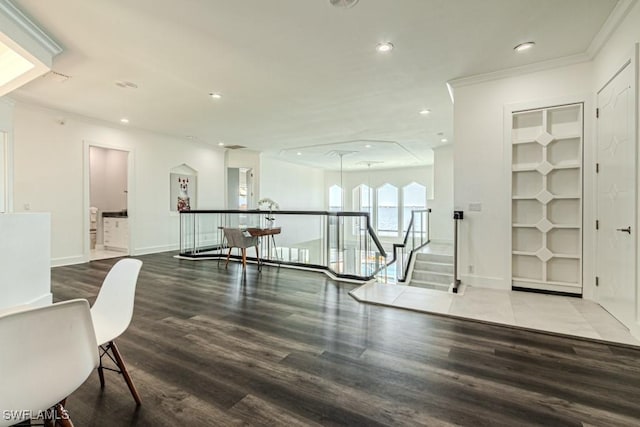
{"x": 342, "y": 243}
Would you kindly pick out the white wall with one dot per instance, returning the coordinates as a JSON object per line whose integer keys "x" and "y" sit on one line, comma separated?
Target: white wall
{"x": 293, "y": 187}
{"x": 25, "y": 256}
{"x": 49, "y": 177}
{"x": 442, "y": 203}
{"x": 479, "y": 162}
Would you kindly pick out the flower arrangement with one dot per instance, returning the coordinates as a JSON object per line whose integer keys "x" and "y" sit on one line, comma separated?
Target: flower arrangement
{"x": 270, "y": 205}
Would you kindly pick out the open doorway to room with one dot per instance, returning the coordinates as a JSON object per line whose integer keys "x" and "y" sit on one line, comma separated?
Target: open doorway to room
{"x": 239, "y": 188}
{"x": 108, "y": 202}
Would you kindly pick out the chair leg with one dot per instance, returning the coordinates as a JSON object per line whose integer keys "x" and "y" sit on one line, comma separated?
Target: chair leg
{"x": 125, "y": 372}
{"x": 244, "y": 258}
{"x": 258, "y": 258}
{"x": 228, "y": 256}
{"x": 101, "y": 374}
{"x": 122, "y": 368}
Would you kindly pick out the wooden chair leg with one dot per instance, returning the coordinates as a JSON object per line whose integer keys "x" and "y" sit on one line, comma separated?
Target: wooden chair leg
{"x": 228, "y": 256}
{"x": 258, "y": 257}
{"x": 244, "y": 258}
{"x": 125, "y": 373}
{"x": 101, "y": 374}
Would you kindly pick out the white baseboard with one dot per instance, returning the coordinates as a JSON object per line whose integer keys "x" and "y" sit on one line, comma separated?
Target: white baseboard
{"x": 45, "y": 299}
{"x": 70, "y": 260}
{"x": 484, "y": 282}
{"x": 155, "y": 249}
{"x": 441, "y": 241}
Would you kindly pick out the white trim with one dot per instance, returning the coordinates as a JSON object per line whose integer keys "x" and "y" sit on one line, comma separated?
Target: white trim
{"x": 614, "y": 19}
{"x": 86, "y": 144}
{"x": 608, "y": 28}
{"x": 69, "y": 260}
{"x": 518, "y": 71}
{"x": 41, "y": 301}
{"x": 154, "y": 250}
{"x": 25, "y": 24}
{"x": 483, "y": 282}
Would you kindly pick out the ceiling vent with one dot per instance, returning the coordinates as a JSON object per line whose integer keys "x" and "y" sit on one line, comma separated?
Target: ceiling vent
{"x": 343, "y": 3}
{"x": 54, "y": 76}
{"x": 234, "y": 147}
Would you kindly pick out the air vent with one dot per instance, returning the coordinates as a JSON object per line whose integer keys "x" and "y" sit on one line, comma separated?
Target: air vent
{"x": 54, "y": 76}
{"x": 234, "y": 147}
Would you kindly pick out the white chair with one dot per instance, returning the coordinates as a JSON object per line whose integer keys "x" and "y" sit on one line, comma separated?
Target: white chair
{"x": 112, "y": 313}
{"x": 237, "y": 239}
{"x": 47, "y": 353}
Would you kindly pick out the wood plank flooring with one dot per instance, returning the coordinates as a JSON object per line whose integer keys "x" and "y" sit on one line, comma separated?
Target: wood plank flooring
{"x": 208, "y": 347}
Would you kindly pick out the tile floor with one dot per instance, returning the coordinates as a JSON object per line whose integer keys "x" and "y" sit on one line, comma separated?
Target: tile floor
{"x": 564, "y": 315}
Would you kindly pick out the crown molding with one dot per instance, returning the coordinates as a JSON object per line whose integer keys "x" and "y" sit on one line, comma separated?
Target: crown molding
{"x": 616, "y": 16}
{"x": 10, "y": 11}
{"x": 517, "y": 71}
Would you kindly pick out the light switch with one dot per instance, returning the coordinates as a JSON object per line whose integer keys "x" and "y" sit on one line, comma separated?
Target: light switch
{"x": 475, "y": 207}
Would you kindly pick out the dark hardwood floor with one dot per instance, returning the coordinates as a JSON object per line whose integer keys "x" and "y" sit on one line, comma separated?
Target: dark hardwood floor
{"x": 284, "y": 347}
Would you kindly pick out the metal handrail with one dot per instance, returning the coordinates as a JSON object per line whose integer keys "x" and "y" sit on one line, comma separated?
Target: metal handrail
{"x": 369, "y": 230}
{"x": 400, "y": 246}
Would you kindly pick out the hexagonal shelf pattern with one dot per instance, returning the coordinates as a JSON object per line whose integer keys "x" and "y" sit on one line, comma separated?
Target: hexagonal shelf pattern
{"x": 545, "y": 216}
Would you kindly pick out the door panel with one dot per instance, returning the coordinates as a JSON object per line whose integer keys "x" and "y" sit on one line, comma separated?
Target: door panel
{"x": 616, "y": 201}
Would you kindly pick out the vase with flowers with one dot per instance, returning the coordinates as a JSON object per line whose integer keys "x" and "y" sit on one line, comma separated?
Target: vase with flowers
{"x": 267, "y": 204}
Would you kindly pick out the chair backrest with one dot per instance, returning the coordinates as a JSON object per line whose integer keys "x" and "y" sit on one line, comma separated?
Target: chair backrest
{"x": 236, "y": 238}
{"x": 113, "y": 308}
{"x": 47, "y": 353}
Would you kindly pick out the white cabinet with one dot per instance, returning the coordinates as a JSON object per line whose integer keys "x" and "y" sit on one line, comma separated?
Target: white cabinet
{"x": 115, "y": 233}
{"x": 547, "y": 199}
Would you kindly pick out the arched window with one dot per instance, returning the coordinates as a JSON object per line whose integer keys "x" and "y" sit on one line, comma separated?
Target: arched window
{"x": 335, "y": 198}
{"x": 388, "y": 215}
{"x": 414, "y": 196}
{"x": 362, "y": 199}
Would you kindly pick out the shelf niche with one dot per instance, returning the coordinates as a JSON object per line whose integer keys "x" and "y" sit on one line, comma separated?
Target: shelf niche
{"x": 546, "y": 206}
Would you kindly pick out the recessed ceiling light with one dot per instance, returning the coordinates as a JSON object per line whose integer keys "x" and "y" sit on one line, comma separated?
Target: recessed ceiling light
{"x": 189, "y": 136}
{"x": 444, "y": 140}
{"x": 124, "y": 120}
{"x": 215, "y": 95}
{"x": 425, "y": 112}
{"x": 384, "y": 47}
{"x": 220, "y": 144}
{"x": 298, "y": 154}
{"x": 367, "y": 146}
{"x": 343, "y": 3}
{"x": 524, "y": 46}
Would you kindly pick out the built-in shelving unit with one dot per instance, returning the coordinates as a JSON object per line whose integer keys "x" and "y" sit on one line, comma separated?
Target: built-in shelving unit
{"x": 546, "y": 199}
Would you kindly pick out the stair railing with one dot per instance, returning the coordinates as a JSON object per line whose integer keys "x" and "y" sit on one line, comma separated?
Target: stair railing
{"x": 417, "y": 236}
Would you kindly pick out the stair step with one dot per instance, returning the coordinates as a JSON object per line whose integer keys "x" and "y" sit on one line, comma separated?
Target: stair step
{"x": 445, "y": 259}
{"x": 437, "y": 267}
{"x": 429, "y": 285}
{"x": 432, "y": 277}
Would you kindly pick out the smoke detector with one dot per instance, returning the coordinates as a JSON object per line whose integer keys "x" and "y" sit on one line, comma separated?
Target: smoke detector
{"x": 343, "y": 3}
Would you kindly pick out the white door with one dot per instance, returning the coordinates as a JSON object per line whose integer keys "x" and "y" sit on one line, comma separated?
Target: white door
{"x": 616, "y": 200}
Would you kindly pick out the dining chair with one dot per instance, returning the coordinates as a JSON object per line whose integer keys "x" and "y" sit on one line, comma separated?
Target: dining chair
{"x": 112, "y": 312}
{"x": 236, "y": 238}
{"x": 47, "y": 353}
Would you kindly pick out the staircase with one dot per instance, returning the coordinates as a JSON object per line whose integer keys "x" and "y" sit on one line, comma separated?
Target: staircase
{"x": 432, "y": 271}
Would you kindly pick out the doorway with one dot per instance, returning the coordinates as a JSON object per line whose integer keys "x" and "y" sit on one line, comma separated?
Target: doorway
{"x": 108, "y": 202}
{"x": 239, "y": 188}
{"x": 616, "y": 197}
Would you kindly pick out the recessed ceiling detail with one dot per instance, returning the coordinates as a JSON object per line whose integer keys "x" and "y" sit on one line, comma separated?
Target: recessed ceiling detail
{"x": 355, "y": 155}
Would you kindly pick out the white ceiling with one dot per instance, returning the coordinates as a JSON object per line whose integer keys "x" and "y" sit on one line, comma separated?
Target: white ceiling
{"x": 296, "y": 75}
